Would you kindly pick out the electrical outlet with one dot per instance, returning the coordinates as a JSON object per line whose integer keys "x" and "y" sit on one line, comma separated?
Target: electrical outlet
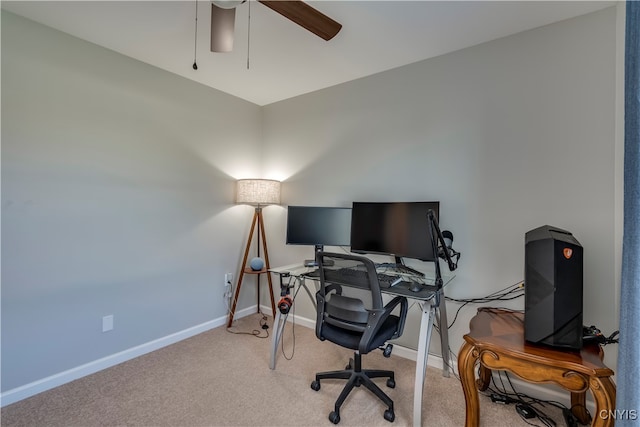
{"x": 228, "y": 280}
{"x": 107, "y": 323}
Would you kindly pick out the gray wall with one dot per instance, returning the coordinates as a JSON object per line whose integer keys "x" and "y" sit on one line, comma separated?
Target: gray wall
{"x": 117, "y": 198}
{"x": 508, "y": 136}
{"x": 117, "y": 179}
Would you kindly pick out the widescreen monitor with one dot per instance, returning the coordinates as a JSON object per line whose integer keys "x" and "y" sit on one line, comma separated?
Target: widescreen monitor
{"x": 400, "y": 229}
{"x": 318, "y": 226}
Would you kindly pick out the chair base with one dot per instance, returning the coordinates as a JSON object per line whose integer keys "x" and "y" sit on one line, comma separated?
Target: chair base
{"x": 356, "y": 376}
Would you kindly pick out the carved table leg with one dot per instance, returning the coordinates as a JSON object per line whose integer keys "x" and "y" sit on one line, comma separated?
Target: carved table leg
{"x": 467, "y": 358}
{"x": 604, "y": 393}
{"x": 485, "y": 378}
{"x": 579, "y": 407}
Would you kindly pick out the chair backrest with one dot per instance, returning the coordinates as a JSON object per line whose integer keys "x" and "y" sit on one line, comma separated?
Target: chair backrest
{"x": 342, "y": 318}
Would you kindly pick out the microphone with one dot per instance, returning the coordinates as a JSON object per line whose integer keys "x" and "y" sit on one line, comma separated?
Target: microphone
{"x": 447, "y": 236}
{"x": 448, "y": 242}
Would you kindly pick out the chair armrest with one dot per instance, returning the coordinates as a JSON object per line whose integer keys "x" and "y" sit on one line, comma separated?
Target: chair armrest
{"x": 378, "y": 317}
{"x": 404, "y": 309}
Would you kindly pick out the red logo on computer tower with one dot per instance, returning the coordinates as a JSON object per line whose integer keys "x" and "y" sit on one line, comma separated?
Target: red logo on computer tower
{"x": 567, "y": 252}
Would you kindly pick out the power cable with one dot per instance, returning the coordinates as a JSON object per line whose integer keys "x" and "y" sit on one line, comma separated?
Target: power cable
{"x": 509, "y": 293}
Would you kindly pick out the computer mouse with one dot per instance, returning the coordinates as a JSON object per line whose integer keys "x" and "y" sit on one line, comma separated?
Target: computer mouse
{"x": 415, "y": 287}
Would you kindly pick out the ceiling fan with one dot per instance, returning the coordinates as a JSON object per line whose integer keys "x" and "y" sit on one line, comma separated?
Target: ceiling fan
{"x": 223, "y": 14}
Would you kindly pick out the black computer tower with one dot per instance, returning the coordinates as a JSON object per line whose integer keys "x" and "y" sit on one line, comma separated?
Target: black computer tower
{"x": 553, "y": 288}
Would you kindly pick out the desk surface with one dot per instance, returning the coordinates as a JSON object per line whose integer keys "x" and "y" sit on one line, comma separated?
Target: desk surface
{"x": 428, "y": 291}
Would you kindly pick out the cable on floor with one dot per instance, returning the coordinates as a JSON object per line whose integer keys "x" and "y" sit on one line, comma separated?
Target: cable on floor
{"x": 517, "y": 397}
{"x": 264, "y": 327}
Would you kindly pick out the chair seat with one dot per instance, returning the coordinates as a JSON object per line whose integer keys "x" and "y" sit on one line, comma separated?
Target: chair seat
{"x": 351, "y": 339}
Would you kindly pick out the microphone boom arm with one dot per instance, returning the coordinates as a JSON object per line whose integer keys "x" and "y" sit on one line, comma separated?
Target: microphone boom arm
{"x": 436, "y": 237}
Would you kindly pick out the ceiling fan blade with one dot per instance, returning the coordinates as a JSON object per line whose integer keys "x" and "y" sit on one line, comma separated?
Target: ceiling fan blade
{"x": 222, "y": 24}
{"x": 305, "y": 16}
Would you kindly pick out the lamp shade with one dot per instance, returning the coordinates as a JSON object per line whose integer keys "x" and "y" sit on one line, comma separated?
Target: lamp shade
{"x": 258, "y": 191}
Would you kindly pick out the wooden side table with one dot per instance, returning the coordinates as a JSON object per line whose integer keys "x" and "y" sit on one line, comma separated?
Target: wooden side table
{"x": 496, "y": 342}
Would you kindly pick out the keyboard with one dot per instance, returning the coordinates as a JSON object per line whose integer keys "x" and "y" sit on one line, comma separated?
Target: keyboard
{"x": 386, "y": 280}
{"x": 356, "y": 277}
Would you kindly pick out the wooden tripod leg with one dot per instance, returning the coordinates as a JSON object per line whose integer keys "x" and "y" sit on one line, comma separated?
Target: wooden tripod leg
{"x": 266, "y": 260}
{"x": 241, "y": 276}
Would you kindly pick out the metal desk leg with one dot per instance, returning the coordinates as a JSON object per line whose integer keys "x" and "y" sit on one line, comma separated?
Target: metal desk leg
{"x": 444, "y": 334}
{"x": 426, "y": 325}
{"x": 303, "y": 283}
{"x": 279, "y": 323}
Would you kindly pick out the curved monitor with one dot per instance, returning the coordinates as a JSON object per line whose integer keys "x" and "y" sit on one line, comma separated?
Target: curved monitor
{"x": 400, "y": 229}
{"x": 318, "y": 226}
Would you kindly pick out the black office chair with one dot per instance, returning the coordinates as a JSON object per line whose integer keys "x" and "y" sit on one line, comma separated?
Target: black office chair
{"x": 362, "y": 324}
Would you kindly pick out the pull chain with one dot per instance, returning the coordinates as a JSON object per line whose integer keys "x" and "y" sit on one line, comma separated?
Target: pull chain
{"x": 195, "y": 41}
{"x": 248, "y": 33}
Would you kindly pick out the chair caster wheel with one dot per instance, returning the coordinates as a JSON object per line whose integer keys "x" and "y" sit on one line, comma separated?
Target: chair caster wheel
{"x": 315, "y": 385}
{"x": 391, "y": 383}
{"x": 387, "y": 350}
{"x": 334, "y": 417}
{"x": 389, "y": 415}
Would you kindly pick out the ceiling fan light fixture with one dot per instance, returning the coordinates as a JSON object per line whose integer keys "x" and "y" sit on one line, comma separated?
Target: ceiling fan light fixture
{"x": 228, "y": 4}
{"x": 223, "y": 21}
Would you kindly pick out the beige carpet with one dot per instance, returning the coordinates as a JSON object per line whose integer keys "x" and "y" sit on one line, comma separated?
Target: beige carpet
{"x": 221, "y": 379}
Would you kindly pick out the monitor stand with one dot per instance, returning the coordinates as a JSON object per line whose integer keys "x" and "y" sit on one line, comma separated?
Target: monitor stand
{"x": 312, "y": 262}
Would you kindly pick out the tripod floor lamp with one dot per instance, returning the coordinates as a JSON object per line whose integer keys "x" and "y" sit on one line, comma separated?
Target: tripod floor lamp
{"x": 256, "y": 192}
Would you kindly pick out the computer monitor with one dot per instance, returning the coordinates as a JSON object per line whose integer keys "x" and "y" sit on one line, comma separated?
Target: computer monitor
{"x": 400, "y": 229}
{"x": 318, "y": 226}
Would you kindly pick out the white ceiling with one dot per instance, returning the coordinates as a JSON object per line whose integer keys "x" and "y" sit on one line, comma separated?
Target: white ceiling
{"x": 285, "y": 59}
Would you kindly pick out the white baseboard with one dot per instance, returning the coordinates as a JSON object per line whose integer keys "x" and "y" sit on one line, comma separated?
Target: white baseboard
{"x": 44, "y": 384}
